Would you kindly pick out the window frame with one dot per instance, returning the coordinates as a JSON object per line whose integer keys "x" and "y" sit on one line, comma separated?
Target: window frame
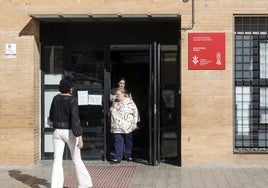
{"x": 252, "y": 143}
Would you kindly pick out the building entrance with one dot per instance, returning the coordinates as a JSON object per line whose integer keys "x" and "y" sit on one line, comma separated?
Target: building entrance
{"x": 150, "y": 72}
{"x": 96, "y": 62}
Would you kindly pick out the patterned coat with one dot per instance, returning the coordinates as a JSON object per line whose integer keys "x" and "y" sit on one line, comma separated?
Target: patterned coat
{"x": 124, "y": 117}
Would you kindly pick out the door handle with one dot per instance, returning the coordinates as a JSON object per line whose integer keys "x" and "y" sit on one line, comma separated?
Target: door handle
{"x": 155, "y": 109}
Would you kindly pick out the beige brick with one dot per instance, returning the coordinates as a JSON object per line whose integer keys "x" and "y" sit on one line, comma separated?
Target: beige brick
{"x": 207, "y": 96}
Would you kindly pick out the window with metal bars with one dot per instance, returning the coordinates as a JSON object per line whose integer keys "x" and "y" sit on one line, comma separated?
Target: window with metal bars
{"x": 251, "y": 84}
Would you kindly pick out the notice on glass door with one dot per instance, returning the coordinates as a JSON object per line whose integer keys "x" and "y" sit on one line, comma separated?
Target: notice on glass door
{"x": 82, "y": 97}
{"x": 87, "y": 99}
{"x": 95, "y": 99}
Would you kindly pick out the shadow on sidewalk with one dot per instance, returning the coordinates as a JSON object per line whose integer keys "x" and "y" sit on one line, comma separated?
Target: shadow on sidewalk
{"x": 29, "y": 180}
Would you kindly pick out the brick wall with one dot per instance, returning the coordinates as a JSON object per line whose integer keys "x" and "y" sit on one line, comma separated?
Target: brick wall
{"x": 17, "y": 101}
{"x": 207, "y": 96}
{"x": 19, "y": 92}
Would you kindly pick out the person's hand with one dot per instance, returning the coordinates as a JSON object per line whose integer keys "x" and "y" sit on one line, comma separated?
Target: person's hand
{"x": 80, "y": 142}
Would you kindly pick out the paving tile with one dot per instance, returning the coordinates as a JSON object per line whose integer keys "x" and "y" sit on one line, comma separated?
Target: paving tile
{"x": 262, "y": 173}
{"x": 162, "y": 176}
{"x": 196, "y": 178}
{"x": 243, "y": 178}
{"x": 219, "y": 178}
{"x": 208, "y": 178}
{"x": 185, "y": 175}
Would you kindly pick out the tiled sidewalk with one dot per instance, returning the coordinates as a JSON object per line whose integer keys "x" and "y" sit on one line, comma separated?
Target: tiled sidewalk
{"x": 164, "y": 175}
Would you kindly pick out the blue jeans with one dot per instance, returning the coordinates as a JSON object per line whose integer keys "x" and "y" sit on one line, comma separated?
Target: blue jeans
{"x": 123, "y": 144}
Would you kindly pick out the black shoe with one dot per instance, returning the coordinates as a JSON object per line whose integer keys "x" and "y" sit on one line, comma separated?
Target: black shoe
{"x": 114, "y": 161}
{"x": 129, "y": 159}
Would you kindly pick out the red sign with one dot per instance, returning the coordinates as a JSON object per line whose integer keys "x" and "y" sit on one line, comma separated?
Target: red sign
{"x": 206, "y": 51}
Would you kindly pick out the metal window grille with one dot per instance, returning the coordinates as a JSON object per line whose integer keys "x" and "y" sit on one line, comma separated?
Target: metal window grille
{"x": 251, "y": 84}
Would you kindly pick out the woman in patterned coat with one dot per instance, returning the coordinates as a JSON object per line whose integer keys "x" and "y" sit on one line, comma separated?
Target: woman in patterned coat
{"x": 124, "y": 118}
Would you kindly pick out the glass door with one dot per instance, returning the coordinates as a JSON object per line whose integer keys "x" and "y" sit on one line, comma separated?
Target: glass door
{"x": 169, "y": 130}
{"x": 85, "y": 64}
{"x": 164, "y": 105}
{"x": 87, "y": 69}
{"x": 154, "y": 103}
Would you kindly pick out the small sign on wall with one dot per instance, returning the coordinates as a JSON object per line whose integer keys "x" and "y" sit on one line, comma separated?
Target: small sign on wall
{"x": 206, "y": 51}
{"x": 11, "y": 50}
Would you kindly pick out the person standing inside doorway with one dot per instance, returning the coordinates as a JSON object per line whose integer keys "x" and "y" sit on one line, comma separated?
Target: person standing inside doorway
{"x": 65, "y": 121}
{"x": 124, "y": 118}
{"x": 121, "y": 83}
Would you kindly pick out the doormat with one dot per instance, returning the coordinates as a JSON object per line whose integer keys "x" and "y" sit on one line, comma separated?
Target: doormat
{"x": 104, "y": 176}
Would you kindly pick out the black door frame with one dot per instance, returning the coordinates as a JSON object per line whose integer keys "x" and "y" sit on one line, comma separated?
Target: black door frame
{"x": 153, "y": 99}
{"x": 155, "y": 102}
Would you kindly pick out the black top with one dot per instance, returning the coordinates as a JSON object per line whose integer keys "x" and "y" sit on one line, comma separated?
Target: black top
{"x": 64, "y": 114}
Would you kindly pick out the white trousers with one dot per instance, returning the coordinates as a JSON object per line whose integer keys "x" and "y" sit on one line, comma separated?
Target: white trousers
{"x": 60, "y": 137}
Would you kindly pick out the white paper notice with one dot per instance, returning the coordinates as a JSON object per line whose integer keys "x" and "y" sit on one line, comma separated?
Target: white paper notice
{"x": 52, "y": 79}
{"x": 11, "y": 50}
{"x": 112, "y": 97}
{"x": 95, "y": 99}
{"x": 82, "y": 97}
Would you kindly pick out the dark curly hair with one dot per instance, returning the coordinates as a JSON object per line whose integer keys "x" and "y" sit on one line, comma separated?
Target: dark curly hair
{"x": 66, "y": 84}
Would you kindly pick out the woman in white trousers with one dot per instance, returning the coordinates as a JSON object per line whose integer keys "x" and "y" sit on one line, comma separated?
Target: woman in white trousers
{"x": 64, "y": 117}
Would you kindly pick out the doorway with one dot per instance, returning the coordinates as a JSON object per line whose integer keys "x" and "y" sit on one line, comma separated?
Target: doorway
{"x": 97, "y": 55}
{"x": 151, "y": 75}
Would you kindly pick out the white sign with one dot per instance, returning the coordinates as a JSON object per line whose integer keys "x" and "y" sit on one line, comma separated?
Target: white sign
{"x": 112, "y": 97}
{"x": 11, "y": 50}
{"x": 82, "y": 97}
{"x": 95, "y": 99}
{"x": 52, "y": 79}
